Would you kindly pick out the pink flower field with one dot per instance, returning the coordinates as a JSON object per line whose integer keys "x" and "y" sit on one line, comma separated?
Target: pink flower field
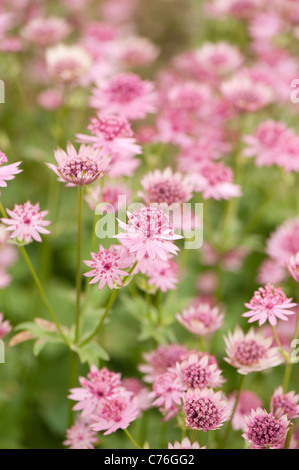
{"x": 149, "y": 228}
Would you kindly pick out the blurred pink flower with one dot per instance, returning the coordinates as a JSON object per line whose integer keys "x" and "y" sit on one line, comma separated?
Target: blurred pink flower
{"x": 160, "y": 359}
{"x": 50, "y": 99}
{"x": 215, "y": 180}
{"x": 46, "y": 32}
{"x": 293, "y": 267}
{"x": 67, "y": 64}
{"x": 284, "y": 242}
{"x": 201, "y": 319}
{"x": 80, "y": 435}
{"x": 7, "y": 172}
{"x": 245, "y": 95}
{"x": 5, "y": 327}
{"x": 248, "y": 401}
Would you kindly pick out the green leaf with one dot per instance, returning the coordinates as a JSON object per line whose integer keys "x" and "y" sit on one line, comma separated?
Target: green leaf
{"x": 91, "y": 353}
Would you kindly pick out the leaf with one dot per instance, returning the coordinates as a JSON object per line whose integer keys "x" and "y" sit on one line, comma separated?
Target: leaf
{"x": 91, "y": 353}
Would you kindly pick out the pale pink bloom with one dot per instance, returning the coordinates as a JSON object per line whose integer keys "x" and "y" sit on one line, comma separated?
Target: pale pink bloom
{"x": 100, "y": 32}
{"x": 107, "y": 267}
{"x": 201, "y": 319}
{"x": 293, "y": 267}
{"x": 5, "y": 327}
{"x": 118, "y": 11}
{"x": 242, "y": 9}
{"x": 167, "y": 390}
{"x": 267, "y": 142}
{"x": 80, "y": 435}
{"x": 219, "y": 58}
{"x": 263, "y": 430}
{"x": 146, "y": 134}
{"x": 248, "y": 401}
{"x": 207, "y": 282}
{"x": 113, "y": 134}
{"x": 115, "y": 413}
{"x": 11, "y": 44}
{"x": 271, "y": 271}
{"x": 288, "y": 154}
{"x": 135, "y": 51}
{"x": 8, "y": 252}
{"x": 123, "y": 164}
{"x": 162, "y": 274}
{"x": 269, "y": 303}
{"x": 46, "y": 32}
{"x": 26, "y": 222}
{"x": 160, "y": 359}
{"x": 195, "y": 372}
{"x": 149, "y": 231}
{"x": 6, "y": 22}
{"x": 204, "y": 409}
{"x": 284, "y": 403}
{"x": 185, "y": 444}
{"x": 5, "y": 278}
{"x": 245, "y": 95}
{"x": 111, "y": 198}
{"x": 80, "y": 167}
{"x": 251, "y": 351}
{"x": 265, "y": 26}
{"x": 67, "y": 64}
{"x": 50, "y": 99}
{"x": 215, "y": 180}
{"x": 230, "y": 260}
{"x": 126, "y": 95}
{"x": 284, "y": 242}
{"x": 7, "y": 172}
{"x": 167, "y": 187}
{"x": 139, "y": 391}
{"x": 100, "y": 386}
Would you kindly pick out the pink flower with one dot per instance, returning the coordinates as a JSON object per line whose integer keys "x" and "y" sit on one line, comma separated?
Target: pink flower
{"x": 160, "y": 359}
{"x": 270, "y": 271}
{"x": 5, "y": 327}
{"x": 139, "y": 391}
{"x": 284, "y": 403}
{"x": 7, "y": 172}
{"x": 115, "y": 413}
{"x": 113, "y": 134}
{"x": 167, "y": 390}
{"x": 50, "y": 99}
{"x": 67, "y": 64}
{"x": 248, "y": 401}
{"x": 100, "y": 386}
{"x": 149, "y": 231}
{"x": 269, "y": 303}
{"x": 293, "y": 267}
{"x": 46, "y": 31}
{"x": 80, "y": 435}
{"x": 218, "y": 59}
{"x": 26, "y": 222}
{"x": 167, "y": 187}
{"x": 195, "y": 372}
{"x": 264, "y": 430}
{"x": 107, "y": 267}
{"x": 251, "y": 352}
{"x": 245, "y": 95}
{"x": 80, "y": 167}
{"x": 162, "y": 274}
{"x": 201, "y": 319}
{"x": 111, "y": 198}
{"x": 215, "y": 180}
{"x": 205, "y": 410}
{"x": 126, "y": 95}
{"x": 185, "y": 444}
{"x": 284, "y": 242}
{"x": 135, "y": 51}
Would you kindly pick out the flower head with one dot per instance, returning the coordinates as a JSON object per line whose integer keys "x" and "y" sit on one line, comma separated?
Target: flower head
{"x": 116, "y": 413}
{"x": 149, "y": 231}
{"x": 80, "y": 167}
{"x": 167, "y": 187}
{"x": 248, "y": 401}
{"x": 195, "y": 372}
{"x": 5, "y": 327}
{"x": 293, "y": 267}
{"x": 269, "y": 303}
{"x": 201, "y": 319}
{"x": 246, "y": 95}
{"x": 80, "y": 435}
{"x": 167, "y": 390}
{"x": 204, "y": 409}
{"x": 7, "y": 172}
{"x": 284, "y": 403}
{"x": 27, "y": 222}
{"x": 284, "y": 241}
{"x": 107, "y": 266}
{"x": 185, "y": 444}
{"x": 46, "y": 31}
{"x": 160, "y": 359}
{"x": 264, "y": 430}
{"x": 215, "y": 180}
{"x": 67, "y": 64}
{"x": 250, "y": 352}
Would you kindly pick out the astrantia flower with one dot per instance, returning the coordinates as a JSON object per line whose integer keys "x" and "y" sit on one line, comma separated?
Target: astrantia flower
{"x": 107, "y": 267}
{"x": 285, "y": 403}
{"x": 185, "y": 444}
{"x": 269, "y": 303}
{"x": 135, "y": 51}
{"x": 284, "y": 242}
{"x": 215, "y": 180}
{"x": 167, "y": 390}
{"x": 201, "y": 319}
{"x": 115, "y": 413}
{"x": 100, "y": 386}
{"x": 205, "y": 410}
{"x": 195, "y": 372}
{"x": 50, "y": 99}
{"x": 245, "y": 95}
{"x": 7, "y": 172}
{"x": 139, "y": 391}
{"x": 167, "y": 187}
{"x": 270, "y": 271}
{"x": 113, "y": 134}
{"x": 248, "y": 401}
{"x": 263, "y": 430}
{"x": 5, "y": 327}
{"x": 111, "y": 198}
{"x": 160, "y": 359}
{"x": 126, "y": 95}
{"x": 80, "y": 167}
{"x": 26, "y": 222}
{"x": 218, "y": 58}
{"x": 293, "y": 267}
{"x": 149, "y": 231}
{"x": 250, "y": 352}
{"x": 46, "y": 31}
{"x": 67, "y": 64}
{"x": 80, "y": 435}
{"x": 162, "y": 274}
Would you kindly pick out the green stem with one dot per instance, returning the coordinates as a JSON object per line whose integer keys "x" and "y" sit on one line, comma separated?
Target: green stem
{"x": 163, "y": 434}
{"x": 129, "y": 435}
{"x": 78, "y": 267}
{"x": 229, "y": 424}
{"x": 289, "y": 436}
{"x": 288, "y": 369}
{"x": 73, "y": 380}
{"x": 279, "y": 344}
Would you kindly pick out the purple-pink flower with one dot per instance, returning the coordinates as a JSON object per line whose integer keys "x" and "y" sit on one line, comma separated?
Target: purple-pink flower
{"x": 7, "y": 172}
{"x": 284, "y": 403}
{"x": 263, "y": 430}
{"x": 195, "y": 372}
{"x": 201, "y": 318}
{"x": 115, "y": 413}
{"x": 80, "y": 435}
